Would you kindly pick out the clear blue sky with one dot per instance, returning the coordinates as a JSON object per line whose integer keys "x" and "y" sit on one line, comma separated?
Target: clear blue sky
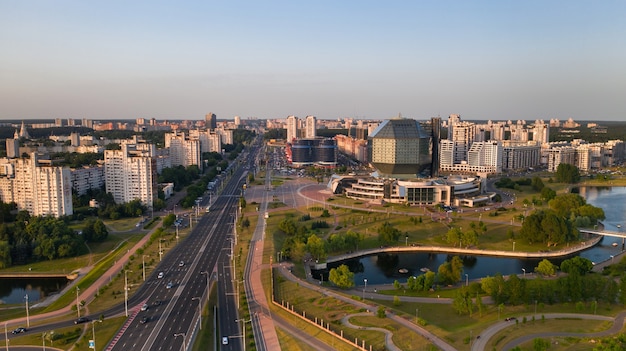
{"x": 494, "y": 60}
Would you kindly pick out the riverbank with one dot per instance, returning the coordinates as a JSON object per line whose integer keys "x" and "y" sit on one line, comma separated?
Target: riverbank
{"x": 463, "y": 251}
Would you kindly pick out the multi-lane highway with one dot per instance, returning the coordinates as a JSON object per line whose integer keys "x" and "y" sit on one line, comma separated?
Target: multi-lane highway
{"x": 174, "y": 312}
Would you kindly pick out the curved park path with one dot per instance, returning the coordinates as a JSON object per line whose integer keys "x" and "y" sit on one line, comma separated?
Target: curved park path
{"x": 440, "y": 343}
{"x": 389, "y": 345}
{"x": 618, "y": 323}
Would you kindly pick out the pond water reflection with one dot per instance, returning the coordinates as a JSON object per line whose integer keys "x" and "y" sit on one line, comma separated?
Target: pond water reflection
{"x": 383, "y": 268}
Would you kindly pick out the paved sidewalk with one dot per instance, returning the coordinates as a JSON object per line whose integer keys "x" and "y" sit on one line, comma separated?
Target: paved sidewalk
{"x": 258, "y": 302}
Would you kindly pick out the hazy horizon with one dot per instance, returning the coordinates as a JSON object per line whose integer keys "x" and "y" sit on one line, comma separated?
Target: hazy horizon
{"x": 484, "y": 60}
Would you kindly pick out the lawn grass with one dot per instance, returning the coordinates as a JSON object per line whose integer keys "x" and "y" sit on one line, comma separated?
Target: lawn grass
{"x": 403, "y": 337}
{"x": 206, "y": 337}
{"x": 75, "y": 337}
{"x": 122, "y": 225}
{"x": 573, "y": 325}
{"x": 287, "y": 342}
{"x": 320, "y": 306}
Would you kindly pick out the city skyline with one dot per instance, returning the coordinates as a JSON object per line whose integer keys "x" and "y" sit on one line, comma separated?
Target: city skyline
{"x": 485, "y": 60}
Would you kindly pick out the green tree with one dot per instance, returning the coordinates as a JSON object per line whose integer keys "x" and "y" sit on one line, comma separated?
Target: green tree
{"x": 341, "y": 277}
{"x": 462, "y": 302}
{"x": 546, "y": 268}
{"x": 381, "y": 312}
{"x": 388, "y": 234}
{"x": 578, "y": 265}
{"x": 168, "y": 220}
{"x": 100, "y": 231}
{"x": 454, "y": 236}
{"x": 566, "y": 173}
{"x": 450, "y": 272}
{"x": 548, "y": 194}
{"x": 537, "y": 184}
{"x": 5, "y": 254}
{"x": 316, "y": 247}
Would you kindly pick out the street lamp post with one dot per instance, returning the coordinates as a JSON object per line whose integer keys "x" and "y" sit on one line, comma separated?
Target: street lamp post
{"x": 77, "y": 303}
{"x": 364, "y": 288}
{"x": 126, "y": 291}
{"x": 207, "y": 283}
{"x": 184, "y": 340}
{"x": 93, "y": 332}
{"x": 27, "y": 317}
{"x": 524, "y": 270}
{"x": 199, "y": 309}
{"x": 466, "y": 279}
{"x": 416, "y": 316}
{"x": 243, "y": 330}
{"x": 176, "y": 233}
{"x": 43, "y": 341}
{"x": 6, "y": 336}
{"x": 160, "y": 250}
{"x": 143, "y": 266}
{"x": 514, "y": 246}
{"x": 406, "y": 240}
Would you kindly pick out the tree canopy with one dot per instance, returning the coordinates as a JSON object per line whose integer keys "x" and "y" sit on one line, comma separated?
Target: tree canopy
{"x": 566, "y": 173}
{"x": 388, "y": 234}
{"x": 341, "y": 277}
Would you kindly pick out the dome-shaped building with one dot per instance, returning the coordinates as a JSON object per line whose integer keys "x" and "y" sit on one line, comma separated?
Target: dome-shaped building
{"x": 400, "y": 148}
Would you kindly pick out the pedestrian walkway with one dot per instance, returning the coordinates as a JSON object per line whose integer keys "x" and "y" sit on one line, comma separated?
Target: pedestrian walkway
{"x": 258, "y": 301}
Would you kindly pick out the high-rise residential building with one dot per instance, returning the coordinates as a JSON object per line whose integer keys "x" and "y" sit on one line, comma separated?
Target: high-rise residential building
{"x": 130, "y": 174}
{"x": 292, "y": 128}
{"x": 541, "y": 132}
{"x": 558, "y": 155}
{"x": 485, "y": 157}
{"x": 520, "y": 155}
{"x": 210, "y": 141}
{"x": 463, "y": 135}
{"x": 13, "y": 146}
{"x": 310, "y": 131}
{"x": 210, "y": 120}
{"x": 237, "y": 121}
{"x": 183, "y": 151}
{"x": 75, "y": 139}
{"x": 37, "y": 186}
{"x": 87, "y": 178}
{"x": 227, "y": 135}
{"x": 446, "y": 153}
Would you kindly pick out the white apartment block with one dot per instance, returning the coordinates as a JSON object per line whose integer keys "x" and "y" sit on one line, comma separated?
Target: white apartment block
{"x": 292, "y": 128}
{"x": 585, "y": 156}
{"x": 520, "y": 155}
{"x": 86, "y": 178}
{"x": 446, "y": 152}
{"x": 130, "y": 174}
{"x": 487, "y": 154}
{"x": 310, "y": 131}
{"x": 226, "y": 136}
{"x": 13, "y": 146}
{"x": 183, "y": 151}
{"x": 559, "y": 154}
{"x": 463, "y": 135}
{"x": 210, "y": 141}
{"x": 36, "y": 186}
